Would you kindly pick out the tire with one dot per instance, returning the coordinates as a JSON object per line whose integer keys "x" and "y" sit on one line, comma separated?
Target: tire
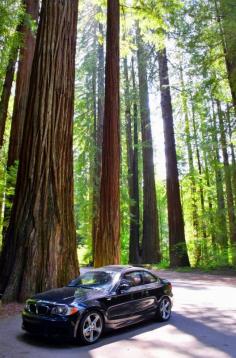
{"x": 164, "y": 310}
{"x": 90, "y": 328}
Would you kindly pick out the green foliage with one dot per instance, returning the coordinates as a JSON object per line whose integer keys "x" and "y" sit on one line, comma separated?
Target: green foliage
{"x": 11, "y": 14}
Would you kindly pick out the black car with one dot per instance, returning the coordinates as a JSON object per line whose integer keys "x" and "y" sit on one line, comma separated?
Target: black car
{"x": 108, "y": 297}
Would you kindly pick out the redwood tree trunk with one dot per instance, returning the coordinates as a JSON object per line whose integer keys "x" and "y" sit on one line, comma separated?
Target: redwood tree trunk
{"x": 98, "y": 136}
{"x": 132, "y": 174}
{"x": 228, "y": 184}
{"x": 134, "y": 244}
{"x": 190, "y": 160}
{"x": 107, "y": 243}
{"x": 21, "y": 95}
{"x": 177, "y": 244}
{"x": 5, "y": 96}
{"x": 221, "y": 214}
{"x": 22, "y": 83}
{"x": 151, "y": 242}
{"x": 40, "y": 251}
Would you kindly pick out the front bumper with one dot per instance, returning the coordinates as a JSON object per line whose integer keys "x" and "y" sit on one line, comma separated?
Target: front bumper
{"x": 50, "y": 326}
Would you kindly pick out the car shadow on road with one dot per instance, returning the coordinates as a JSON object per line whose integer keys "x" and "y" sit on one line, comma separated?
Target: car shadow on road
{"x": 212, "y": 333}
{"x": 107, "y": 337}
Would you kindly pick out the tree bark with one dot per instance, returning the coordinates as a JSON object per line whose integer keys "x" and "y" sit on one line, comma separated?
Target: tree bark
{"x": 202, "y": 198}
{"x": 232, "y": 152}
{"x": 6, "y": 93}
{"x": 228, "y": 184}
{"x": 151, "y": 242}
{"x": 177, "y": 243}
{"x": 136, "y": 211}
{"x": 221, "y": 217}
{"x": 98, "y": 136}
{"x": 40, "y": 251}
{"x": 107, "y": 243}
{"x": 134, "y": 250}
{"x": 190, "y": 161}
{"x": 22, "y": 82}
{"x": 21, "y": 95}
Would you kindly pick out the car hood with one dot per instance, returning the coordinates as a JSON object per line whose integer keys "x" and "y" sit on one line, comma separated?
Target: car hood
{"x": 70, "y": 294}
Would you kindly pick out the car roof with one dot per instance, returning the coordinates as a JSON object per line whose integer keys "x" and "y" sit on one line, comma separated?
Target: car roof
{"x": 116, "y": 267}
{"x": 121, "y": 268}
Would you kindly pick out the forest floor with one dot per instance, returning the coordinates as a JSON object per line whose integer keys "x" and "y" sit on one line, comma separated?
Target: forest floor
{"x": 202, "y": 326}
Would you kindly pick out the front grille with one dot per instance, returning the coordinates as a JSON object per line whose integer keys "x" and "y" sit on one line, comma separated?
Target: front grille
{"x": 32, "y": 308}
{"x": 39, "y": 308}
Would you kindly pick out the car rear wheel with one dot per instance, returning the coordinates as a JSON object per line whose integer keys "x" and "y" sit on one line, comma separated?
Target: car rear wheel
{"x": 91, "y": 327}
{"x": 164, "y": 309}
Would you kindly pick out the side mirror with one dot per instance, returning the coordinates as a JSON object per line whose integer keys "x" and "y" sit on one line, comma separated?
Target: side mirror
{"x": 124, "y": 286}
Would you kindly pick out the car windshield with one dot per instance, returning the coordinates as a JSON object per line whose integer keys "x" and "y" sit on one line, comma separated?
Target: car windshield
{"x": 94, "y": 279}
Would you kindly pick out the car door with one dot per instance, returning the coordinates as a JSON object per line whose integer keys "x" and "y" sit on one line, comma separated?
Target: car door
{"x": 152, "y": 291}
{"x": 121, "y": 305}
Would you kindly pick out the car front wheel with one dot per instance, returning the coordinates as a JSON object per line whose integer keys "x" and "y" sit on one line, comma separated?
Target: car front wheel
{"x": 164, "y": 309}
{"x": 90, "y": 328}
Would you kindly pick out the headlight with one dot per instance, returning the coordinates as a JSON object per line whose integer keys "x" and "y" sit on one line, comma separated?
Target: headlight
{"x": 64, "y": 310}
{"x": 27, "y": 306}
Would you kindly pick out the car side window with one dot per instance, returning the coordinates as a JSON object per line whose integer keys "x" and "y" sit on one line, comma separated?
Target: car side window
{"x": 148, "y": 278}
{"x": 134, "y": 278}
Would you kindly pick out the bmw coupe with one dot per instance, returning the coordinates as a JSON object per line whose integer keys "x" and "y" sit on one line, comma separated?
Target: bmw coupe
{"x": 108, "y": 297}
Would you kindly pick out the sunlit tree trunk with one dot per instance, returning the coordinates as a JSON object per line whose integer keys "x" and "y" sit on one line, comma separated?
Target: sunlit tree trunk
{"x": 221, "y": 213}
{"x": 202, "y": 199}
{"x": 134, "y": 245}
{"x": 232, "y": 152}
{"x": 177, "y": 243}
{"x": 190, "y": 162}
{"x": 107, "y": 243}
{"x": 132, "y": 171}
{"x": 6, "y": 92}
{"x": 98, "y": 135}
{"x": 150, "y": 242}
{"x": 40, "y": 251}
{"x": 26, "y": 54}
{"x": 22, "y": 83}
{"x": 228, "y": 184}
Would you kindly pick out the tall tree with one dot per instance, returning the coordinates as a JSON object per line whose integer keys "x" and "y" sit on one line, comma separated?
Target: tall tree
{"x": 26, "y": 54}
{"x": 132, "y": 160}
{"x": 195, "y": 215}
{"x": 107, "y": 243}
{"x": 221, "y": 215}
{"x": 201, "y": 184}
{"x": 151, "y": 242}
{"x": 6, "y": 92}
{"x": 22, "y": 81}
{"x": 228, "y": 182}
{"x": 98, "y": 133}
{"x": 177, "y": 243}
{"x": 40, "y": 250}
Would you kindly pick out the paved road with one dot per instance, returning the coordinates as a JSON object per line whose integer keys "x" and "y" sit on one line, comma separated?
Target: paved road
{"x": 203, "y": 325}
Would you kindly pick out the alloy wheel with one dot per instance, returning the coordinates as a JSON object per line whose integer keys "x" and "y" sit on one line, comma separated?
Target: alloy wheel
{"x": 165, "y": 309}
{"x": 92, "y": 327}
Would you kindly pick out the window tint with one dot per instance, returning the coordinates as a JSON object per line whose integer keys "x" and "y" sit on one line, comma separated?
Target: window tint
{"x": 148, "y": 278}
{"x": 134, "y": 278}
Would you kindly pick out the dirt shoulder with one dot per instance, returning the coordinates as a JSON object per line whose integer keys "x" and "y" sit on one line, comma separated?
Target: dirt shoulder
{"x": 10, "y": 309}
